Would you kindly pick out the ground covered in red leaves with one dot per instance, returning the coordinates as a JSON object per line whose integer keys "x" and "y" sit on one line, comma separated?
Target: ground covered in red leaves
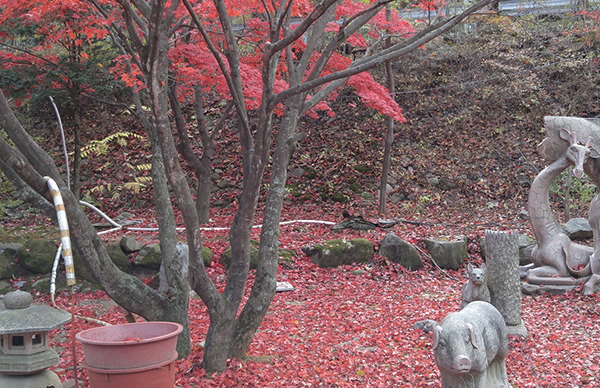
{"x": 353, "y": 326}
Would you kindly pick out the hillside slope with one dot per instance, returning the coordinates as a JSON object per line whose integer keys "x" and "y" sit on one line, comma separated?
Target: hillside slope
{"x": 474, "y": 103}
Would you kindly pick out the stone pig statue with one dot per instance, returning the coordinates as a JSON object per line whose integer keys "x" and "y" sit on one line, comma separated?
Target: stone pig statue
{"x": 470, "y": 347}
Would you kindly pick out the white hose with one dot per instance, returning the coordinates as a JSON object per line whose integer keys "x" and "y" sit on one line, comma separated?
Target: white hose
{"x": 63, "y": 225}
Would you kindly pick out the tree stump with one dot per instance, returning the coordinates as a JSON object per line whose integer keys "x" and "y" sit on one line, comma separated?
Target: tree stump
{"x": 502, "y": 252}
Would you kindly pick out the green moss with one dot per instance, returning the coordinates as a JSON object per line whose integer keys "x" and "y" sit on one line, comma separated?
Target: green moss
{"x": 311, "y": 173}
{"x": 339, "y": 197}
{"x": 284, "y": 255}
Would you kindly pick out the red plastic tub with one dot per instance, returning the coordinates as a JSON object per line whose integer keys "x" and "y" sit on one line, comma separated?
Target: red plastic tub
{"x": 131, "y": 355}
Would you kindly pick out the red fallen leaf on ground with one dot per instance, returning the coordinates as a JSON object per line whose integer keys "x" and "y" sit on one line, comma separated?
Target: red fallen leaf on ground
{"x": 132, "y": 339}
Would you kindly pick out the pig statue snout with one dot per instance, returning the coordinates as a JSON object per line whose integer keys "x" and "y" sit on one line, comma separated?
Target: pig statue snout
{"x": 462, "y": 363}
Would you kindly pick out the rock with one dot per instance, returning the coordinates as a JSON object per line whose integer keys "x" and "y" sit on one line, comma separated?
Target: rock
{"x": 448, "y": 254}
{"x": 526, "y": 245}
{"x": 226, "y": 256}
{"x": 43, "y": 285}
{"x": 5, "y": 287}
{"x": 125, "y": 219}
{"x": 8, "y": 253}
{"x": 183, "y": 254}
{"x": 207, "y": 256}
{"x": 223, "y": 184}
{"x": 149, "y": 257}
{"x": 433, "y": 181}
{"x": 37, "y": 255}
{"x": 10, "y": 250}
{"x": 397, "y": 197}
{"x": 81, "y": 271}
{"x": 284, "y": 255}
{"x": 338, "y": 252}
{"x": 117, "y": 256}
{"x": 296, "y": 172}
{"x": 578, "y": 229}
{"x": 130, "y": 244}
{"x": 399, "y": 251}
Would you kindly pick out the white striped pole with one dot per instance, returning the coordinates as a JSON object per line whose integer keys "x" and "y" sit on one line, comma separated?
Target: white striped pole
{"x": 63, "y": 226}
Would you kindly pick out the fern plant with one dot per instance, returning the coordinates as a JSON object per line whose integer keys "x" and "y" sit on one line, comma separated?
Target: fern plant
{"x": 114, "y": 190}
{"x": 101, "y": 147}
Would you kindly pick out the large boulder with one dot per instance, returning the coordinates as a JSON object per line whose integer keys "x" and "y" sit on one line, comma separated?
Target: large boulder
{"x": 399, "y": 251}
{"x": 149, "y": 257}
{"x": 284, "y": 254}
{"x": 338, "y": 252}
{"x": 37, "y": 255}
{"x": 130, "y": 244}
{"x": 8, "y": 253}
{"x": 226, "y": 255}
{"x": 448, "y": 254}
{"x": 183, "y": 255}
{"x": 81, "y": 270}
{"x": 578, "y": 229}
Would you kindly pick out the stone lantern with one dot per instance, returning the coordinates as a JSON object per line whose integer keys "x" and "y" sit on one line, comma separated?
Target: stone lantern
{"x": 24, "y": 352}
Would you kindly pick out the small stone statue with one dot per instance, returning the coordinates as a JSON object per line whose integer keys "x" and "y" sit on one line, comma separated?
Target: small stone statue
{"x": 476, "y": 287}
{"x": 470, "y": 347}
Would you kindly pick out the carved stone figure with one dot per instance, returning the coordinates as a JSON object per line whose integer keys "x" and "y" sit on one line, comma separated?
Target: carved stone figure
{"x": 503, "y": 279}
{"x": 470, "y": 347}
{"x": 594, "y": 264}
{"x": 476, "y": 287}
{"x": 556, "y": 259}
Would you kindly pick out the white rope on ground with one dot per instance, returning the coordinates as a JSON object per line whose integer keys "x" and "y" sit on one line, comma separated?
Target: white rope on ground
{"x": 117, "y": 226}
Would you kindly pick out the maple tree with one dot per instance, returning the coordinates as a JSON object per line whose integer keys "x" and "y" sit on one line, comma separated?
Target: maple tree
{"x": 54, "y": 49}
{"x": 287, "y": 64}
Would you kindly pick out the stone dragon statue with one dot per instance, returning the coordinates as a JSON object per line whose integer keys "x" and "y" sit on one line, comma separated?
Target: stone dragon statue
{"x": 556, "y": 259}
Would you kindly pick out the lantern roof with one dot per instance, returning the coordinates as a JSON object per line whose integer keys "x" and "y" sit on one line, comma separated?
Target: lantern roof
{"x": 19, "y": 315}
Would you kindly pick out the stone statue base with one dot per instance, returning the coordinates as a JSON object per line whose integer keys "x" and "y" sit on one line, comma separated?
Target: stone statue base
{"x": 517, "y": 330}
{"x": 536, "y": 289}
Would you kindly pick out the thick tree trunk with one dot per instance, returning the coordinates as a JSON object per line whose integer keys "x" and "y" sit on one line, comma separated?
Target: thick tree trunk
{"x": 203, "y": 198}
{"x": 265, "y": 282}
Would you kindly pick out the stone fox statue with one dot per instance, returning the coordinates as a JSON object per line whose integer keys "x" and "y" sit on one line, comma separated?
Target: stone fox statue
{"x": 476, "y": 287}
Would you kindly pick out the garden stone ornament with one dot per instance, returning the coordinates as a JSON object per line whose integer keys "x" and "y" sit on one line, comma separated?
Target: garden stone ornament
{"x": 556, "y": 260}
{"x": 470, "y": 347}
{"x": 476, "y": 286}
